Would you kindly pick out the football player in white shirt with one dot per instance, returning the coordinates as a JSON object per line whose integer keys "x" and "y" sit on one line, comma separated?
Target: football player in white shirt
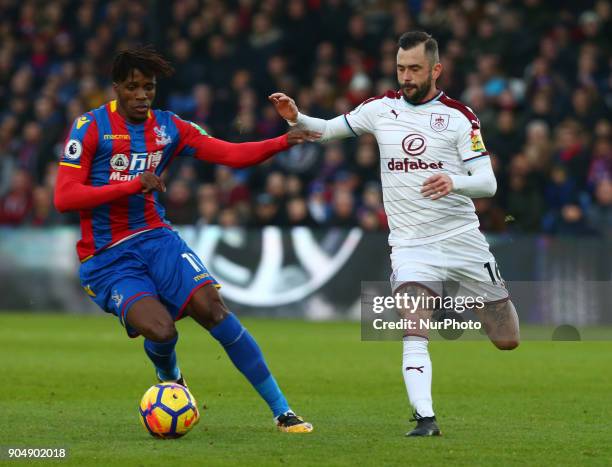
{"x": 433, "y": 161}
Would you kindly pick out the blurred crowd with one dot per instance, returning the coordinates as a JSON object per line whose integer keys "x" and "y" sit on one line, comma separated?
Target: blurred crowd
{"x": 537, "y": 73}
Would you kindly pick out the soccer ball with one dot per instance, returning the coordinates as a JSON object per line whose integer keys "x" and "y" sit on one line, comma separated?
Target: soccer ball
{"x": 168, "y": 410}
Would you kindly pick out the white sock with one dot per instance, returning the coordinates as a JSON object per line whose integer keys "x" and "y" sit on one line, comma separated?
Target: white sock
{"x": 416, "y": 368}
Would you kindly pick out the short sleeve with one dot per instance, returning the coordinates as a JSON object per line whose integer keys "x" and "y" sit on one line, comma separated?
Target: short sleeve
{"x": 470, "y": 143}
{"x": 81, "y": 143}
{"x": 363, "y": 117}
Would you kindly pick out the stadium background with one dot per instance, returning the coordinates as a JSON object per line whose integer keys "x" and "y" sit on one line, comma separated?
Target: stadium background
{"x": 537, "y": 73}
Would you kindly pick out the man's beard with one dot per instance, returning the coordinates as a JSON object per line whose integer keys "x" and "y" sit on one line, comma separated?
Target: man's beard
{"x": 419, "y": 93}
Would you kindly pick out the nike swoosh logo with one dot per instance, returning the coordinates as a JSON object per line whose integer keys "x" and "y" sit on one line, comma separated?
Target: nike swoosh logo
{"x": 189, "y": 421}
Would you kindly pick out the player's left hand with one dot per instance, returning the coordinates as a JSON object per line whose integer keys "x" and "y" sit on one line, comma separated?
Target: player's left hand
{"x": 301, "y": 136}
{"x": 437, "y": 186}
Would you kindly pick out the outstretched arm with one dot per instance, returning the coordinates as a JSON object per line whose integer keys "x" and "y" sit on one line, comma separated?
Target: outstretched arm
{"x": 197, "y": 143}
{"x": 336, "y": 128}
{"x": 240, "y": 155}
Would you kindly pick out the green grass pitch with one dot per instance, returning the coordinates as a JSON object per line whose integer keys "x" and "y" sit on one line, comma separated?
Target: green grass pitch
{"x": 75, "y": 381}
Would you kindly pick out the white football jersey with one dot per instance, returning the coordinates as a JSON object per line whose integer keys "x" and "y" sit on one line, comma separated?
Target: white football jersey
{"x": 416, "y": 142}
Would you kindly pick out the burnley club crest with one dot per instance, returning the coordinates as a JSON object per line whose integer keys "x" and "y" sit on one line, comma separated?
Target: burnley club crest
{"x": 439, "y": 122}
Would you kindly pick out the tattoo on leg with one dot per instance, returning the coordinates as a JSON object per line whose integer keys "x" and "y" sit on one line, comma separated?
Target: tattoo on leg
{"x": 500, "y": 313}
{"x": 500, "y": 321}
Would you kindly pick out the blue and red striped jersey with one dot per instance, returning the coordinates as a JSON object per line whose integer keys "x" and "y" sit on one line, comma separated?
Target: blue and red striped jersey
{"x": 113, "y": 151}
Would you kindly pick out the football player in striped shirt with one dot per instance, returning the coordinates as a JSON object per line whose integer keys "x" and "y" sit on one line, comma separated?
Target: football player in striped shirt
{"x": 433, "y": 162}
{"x": 133, "y": 264}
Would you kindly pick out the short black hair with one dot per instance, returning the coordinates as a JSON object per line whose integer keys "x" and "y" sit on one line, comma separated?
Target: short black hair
{"x": 143, "y": 58}
{"x": 411, "y": 39}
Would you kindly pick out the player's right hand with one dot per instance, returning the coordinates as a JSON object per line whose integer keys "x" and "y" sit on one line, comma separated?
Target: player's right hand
{"x": 285, "y": 106}
{"x": 151, "y": 182}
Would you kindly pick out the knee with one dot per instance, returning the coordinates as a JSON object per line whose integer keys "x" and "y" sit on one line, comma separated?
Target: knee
{"x": 162, "y": 331}
{"x": 217, "y": 311}
{"x": 208, "y": 308}
{"x": 506, "y": 344}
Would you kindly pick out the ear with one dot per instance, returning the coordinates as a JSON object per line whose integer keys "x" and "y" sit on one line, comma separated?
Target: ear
{"x": 436, "y": 71}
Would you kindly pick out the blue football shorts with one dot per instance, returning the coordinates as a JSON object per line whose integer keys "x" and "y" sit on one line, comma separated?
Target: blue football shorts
{"x": 157, "y": 263}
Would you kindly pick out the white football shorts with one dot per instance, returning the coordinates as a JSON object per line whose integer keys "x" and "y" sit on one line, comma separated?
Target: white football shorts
{"x": 456, "y": 266}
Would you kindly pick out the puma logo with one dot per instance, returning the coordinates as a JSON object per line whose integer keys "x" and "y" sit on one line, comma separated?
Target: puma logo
{"x": 394, "y": 113}
{"x": 417, "y": 368}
